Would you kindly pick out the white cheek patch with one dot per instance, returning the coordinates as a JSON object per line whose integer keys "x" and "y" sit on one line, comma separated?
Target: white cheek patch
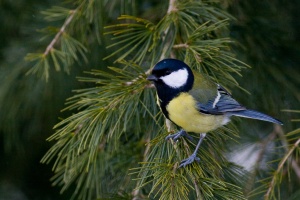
{"x": 176, "y": 79}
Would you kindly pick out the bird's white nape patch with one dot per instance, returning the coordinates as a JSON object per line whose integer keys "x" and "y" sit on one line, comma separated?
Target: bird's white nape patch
{"x": 176, "y": 79}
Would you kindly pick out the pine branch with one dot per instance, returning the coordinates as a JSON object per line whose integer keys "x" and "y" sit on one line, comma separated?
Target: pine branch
{"x": 110, "y": 143}
{"x": 178, "y": 46}
{"x": 279, "y": 169}
{"x": 296, "y": 168}
{"x": 60, "y": 32}
{"x": 122, "y": 104}
{"x": 83, "y": 137}
{"x": 64, "y": 49}
{"x": 172, "y": 6}
{"x": 286, "y": 159}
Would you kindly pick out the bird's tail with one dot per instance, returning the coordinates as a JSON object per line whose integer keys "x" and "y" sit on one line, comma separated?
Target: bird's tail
{"x": 255, "y": 115}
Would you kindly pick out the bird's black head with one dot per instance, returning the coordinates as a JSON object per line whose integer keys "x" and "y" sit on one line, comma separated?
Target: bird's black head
{"x": 173, "y": 74}
{"x": 171, "y": 77}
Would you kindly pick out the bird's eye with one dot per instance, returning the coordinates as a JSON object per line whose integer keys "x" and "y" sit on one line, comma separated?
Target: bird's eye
{"x": 168, "y": 72}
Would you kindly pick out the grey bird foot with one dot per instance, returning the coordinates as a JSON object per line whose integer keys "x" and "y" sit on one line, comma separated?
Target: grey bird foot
{"x": 189, "y": 160}
{"x": 176, "y": 136}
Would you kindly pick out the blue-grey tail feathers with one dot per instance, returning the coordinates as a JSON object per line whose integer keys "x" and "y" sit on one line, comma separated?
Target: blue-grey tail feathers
{"x": 254, "y": 115}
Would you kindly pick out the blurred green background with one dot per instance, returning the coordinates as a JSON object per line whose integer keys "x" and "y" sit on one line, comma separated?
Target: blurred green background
{"x": 268, "y": 33}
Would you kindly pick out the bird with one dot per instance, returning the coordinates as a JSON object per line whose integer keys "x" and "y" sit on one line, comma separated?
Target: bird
{"x": 194, "y": 102}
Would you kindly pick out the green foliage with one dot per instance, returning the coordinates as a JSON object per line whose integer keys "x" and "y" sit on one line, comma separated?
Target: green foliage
{"x": 122, "y": 107}
{"x": 272, "y": 185}
{"x": 108, "y": 112}
{"x": 131, "y": 36}
{"x": 64, "y": 49}
{"x": 211, "y": 55}
{"x": 292, "y": 152}
{"x": 110, "y": 142}
{"x": 205, "y": 179}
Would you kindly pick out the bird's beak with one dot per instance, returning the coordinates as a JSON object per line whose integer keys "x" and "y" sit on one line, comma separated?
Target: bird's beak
{"x": 152, "y": 78}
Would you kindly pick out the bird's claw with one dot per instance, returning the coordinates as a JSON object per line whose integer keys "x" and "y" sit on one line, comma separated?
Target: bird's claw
{"x": 174, "y": 137}
{"x": 179, "y": 134}
{"x": 189, "y": 160}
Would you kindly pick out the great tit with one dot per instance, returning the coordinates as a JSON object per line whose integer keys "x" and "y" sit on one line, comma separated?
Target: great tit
{"x": 194, "y": 102}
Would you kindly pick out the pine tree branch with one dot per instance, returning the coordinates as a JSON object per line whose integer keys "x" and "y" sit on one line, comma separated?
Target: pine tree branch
{"x": 197, "y": 189}
{"x": 171, "y": 8}
{"x": 60, "y": 32}
{"x": 283, "y": 138}
{"x": 110, "y": 110}
{"x": 279, "y": 168}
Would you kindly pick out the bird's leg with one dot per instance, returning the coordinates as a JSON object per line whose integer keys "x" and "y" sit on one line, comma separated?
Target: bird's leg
{"x": 176, "y": 136}
{"x": 193, "y": 157}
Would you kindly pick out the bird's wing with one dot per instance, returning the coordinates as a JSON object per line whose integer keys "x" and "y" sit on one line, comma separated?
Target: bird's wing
{"x": 220, "y": 104}
{"x": 212, "y": 98}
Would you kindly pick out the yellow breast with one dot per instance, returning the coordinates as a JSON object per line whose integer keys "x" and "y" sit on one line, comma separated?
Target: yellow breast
{"x": 182, "y": 111}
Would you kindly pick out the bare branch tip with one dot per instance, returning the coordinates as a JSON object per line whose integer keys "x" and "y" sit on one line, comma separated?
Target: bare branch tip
{"x": 172, "y": 7}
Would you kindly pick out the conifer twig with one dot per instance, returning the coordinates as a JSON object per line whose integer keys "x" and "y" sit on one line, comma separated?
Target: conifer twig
{"x": 198, "y": 192}
{"x": 172, "y": 6}
{"x": 296, "y": 168}
{"x": 60, "y": 32}
{"x": 177, "y": 46}
{"x": 279, "y": 168}
{"x": 294, "y": 165}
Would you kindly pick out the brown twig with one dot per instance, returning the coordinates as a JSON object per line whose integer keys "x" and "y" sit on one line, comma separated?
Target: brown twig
{"x": 294, "y": 165}
{"x": 178, "y": 46}
{"x": 172, "y": 6}
{"x": 279, "y": 168}
{"x": 60, "y": 32}
{"x": 296, "y": 168}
